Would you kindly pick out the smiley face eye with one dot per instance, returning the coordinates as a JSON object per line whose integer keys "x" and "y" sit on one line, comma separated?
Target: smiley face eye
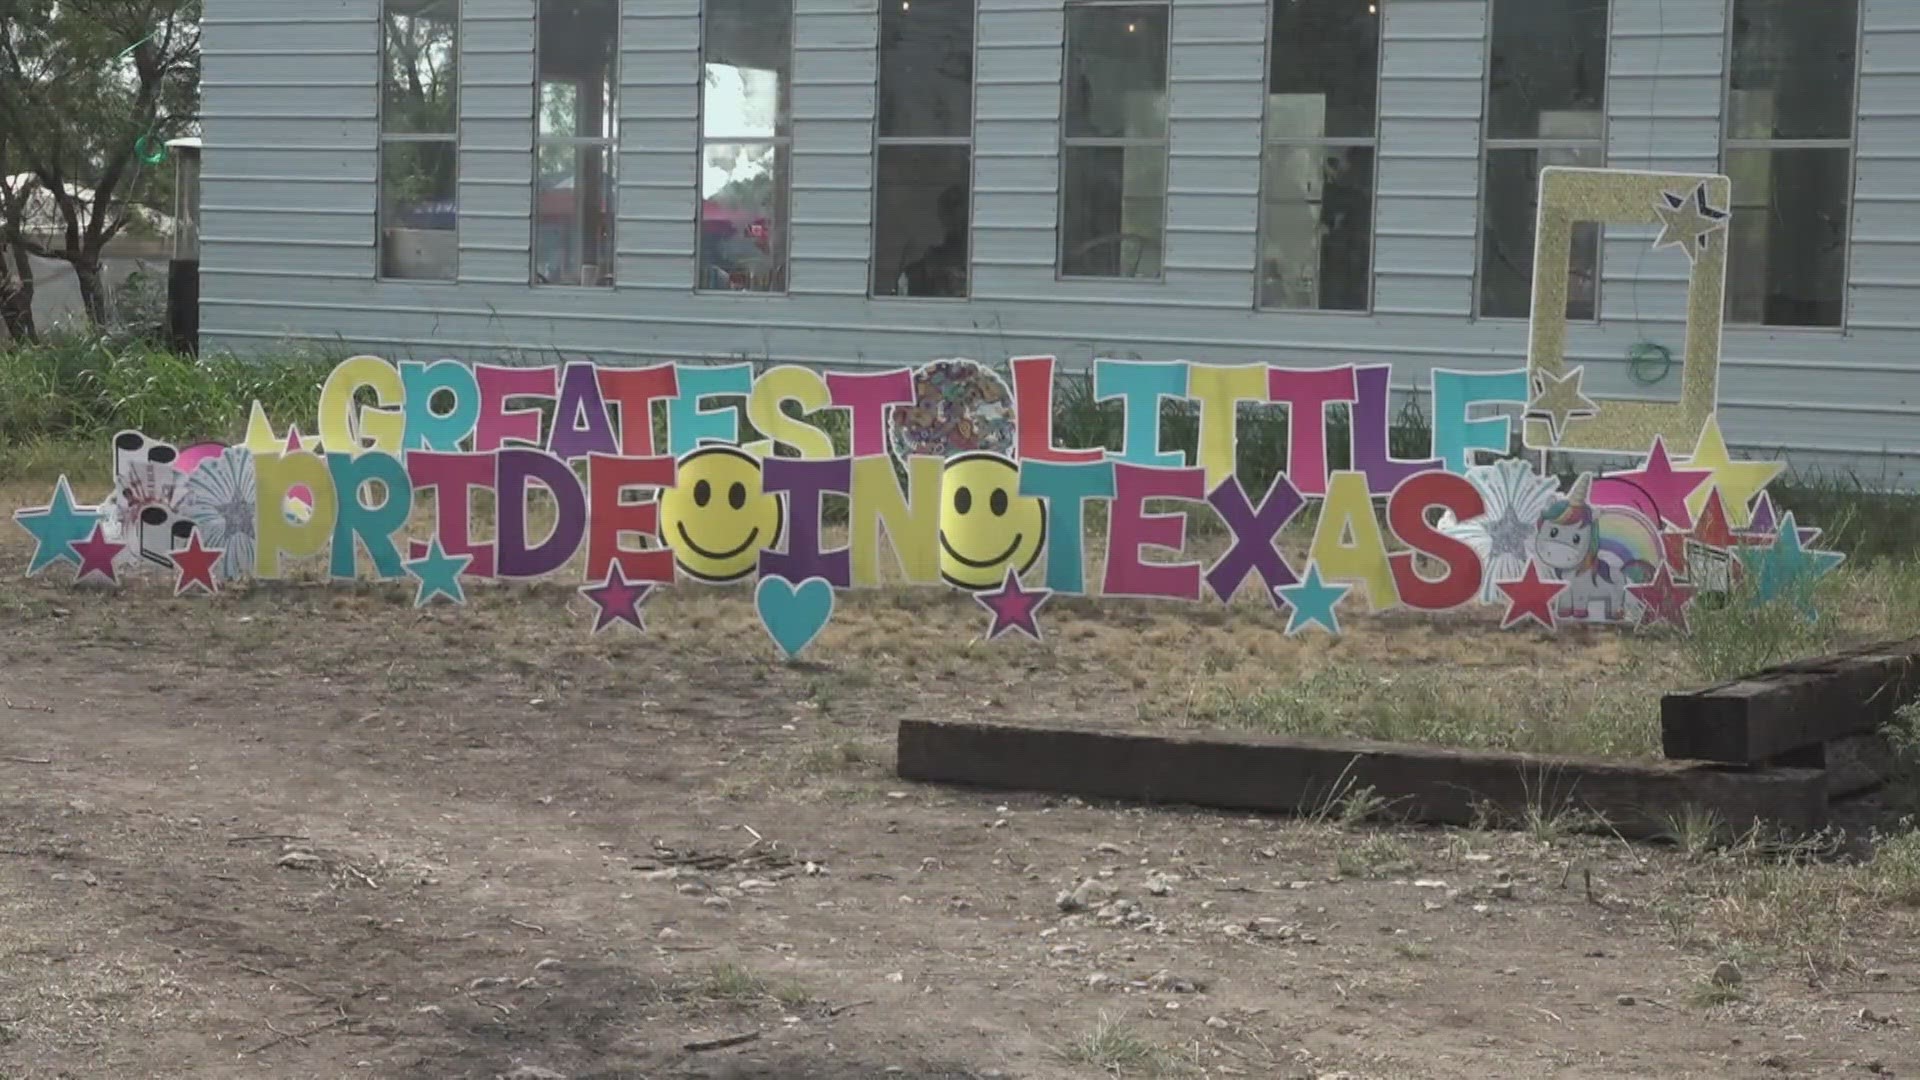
{"x": 963, "y": 500}
{"x": 998, "y": 503}
{"x": 1554, "y": 534}
{"x": 737, "y": 496}
{"x": 702, "y": 493}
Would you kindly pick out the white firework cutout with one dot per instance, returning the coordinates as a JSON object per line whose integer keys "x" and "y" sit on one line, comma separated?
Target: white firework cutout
{"x": 219, "y": 499}
{"x": 1515, "y": 496}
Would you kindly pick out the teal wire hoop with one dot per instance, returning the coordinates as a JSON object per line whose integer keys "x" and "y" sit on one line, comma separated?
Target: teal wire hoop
{"x": 1648, "y": 363}
{"x": 149, "y": 150}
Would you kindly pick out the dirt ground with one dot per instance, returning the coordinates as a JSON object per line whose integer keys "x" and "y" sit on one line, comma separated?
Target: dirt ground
{"x": 307, "y": 832}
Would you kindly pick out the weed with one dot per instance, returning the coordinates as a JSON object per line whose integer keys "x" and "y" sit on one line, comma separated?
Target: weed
{"x": 731, "y": 983}
{"x": 1113, "y": 1048}
{"x": 1411, "y": 950}
{"x": 1695, "y": 830}
{"x": 1373, "y": 857}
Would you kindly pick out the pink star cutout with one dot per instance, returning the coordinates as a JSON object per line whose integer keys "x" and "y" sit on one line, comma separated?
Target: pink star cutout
{"x": 1013, "y": 607}
{"x": 1530, "y": 598}
{"x": 1668, "y": 487}
{"x": 1665, "y": 600}
{"x": 617, "y": 599}
{"x": 96, "y": 556}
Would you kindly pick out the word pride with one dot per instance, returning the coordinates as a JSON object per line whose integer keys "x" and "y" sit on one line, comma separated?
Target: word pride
{"x": 636, "y": 478}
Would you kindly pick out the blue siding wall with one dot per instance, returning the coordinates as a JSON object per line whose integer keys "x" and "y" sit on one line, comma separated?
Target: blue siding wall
{"x": 290, "y": 127}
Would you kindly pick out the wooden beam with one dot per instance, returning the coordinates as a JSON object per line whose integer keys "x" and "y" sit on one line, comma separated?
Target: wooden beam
{"x": 1761, "y": 717}
{"x": 1432, "y": 784}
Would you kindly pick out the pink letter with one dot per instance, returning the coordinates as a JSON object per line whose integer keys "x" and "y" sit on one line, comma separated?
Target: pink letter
{"x": 1307, "y": 392}
{"x": 1130, "y": 528}
{"x": 867, "y": 395}
{"x": 498, "y": 424}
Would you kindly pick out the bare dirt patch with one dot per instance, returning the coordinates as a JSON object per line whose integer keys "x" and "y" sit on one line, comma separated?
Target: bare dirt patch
{"x": 309, "y": 832}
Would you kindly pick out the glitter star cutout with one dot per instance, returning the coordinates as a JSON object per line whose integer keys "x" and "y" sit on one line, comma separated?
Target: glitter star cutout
{"x": 1668, "y": 487}
{"x": 195, "y": 565}
{"x": 1786, "y": 569}
{"x": 1737, "y": 481}
{"x": 617, "y": 599}
{"x": 1531, "y": 597}
{"x": 1013, "y": 607}
{"x": 1559, "y": 400}
{"x": 97, "y": 555}
{"x": 1687, "y": 222}
{"x": 56, "y": 528}
{"x": 1663, "y": 601}
{"x": 439, "y": 575}
{"x": 1312, "y": 602}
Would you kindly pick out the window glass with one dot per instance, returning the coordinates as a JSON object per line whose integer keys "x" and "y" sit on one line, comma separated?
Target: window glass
{"x": 746, "y": 83}
{"x": 921, "y": 216}
{"x": 420, "y": 76}
{"x": 1316, "y": 241}
{"x": 1115, "y": 211}
{"x": 1325, "y": 62}
{"x": 573, "y": 216}
{"x": 418, "y": 210}
{"x": 926, "y": 68}
{"x": 1791, "y": 72}
{"x": 1116, "y": 72}
{"x": 1548, "y": 58}
{"x": 1512, "y": 192}
{"x": 578, "y": 122}
{"x": 1113, "y": 182}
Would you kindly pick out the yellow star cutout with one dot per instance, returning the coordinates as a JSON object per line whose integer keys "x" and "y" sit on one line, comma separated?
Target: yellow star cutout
{"x": 1558, "y": 400}
{"x": 1738, "y": 482}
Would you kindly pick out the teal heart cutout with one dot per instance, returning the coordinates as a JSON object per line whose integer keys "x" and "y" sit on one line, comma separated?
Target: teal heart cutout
{"x": 793, "y": 614}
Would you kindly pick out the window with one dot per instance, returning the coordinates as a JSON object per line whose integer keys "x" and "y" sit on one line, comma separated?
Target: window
{"x": 1546, "y": 105}
{"x": 923, "y": 184}
{"x": 746, "y": 135}
{"x": 574, "y": 153}
{"x": 1113, "y": 187}
{"x": 1789, "y": 152}
{"x": 419, "y": 139}
{"x": 1316, "y": 168}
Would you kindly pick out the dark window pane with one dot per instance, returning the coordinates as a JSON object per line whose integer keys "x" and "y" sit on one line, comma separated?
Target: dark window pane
{"x": 743, "y": 217}
{"x": 1116, "y": 72}
{"x": 1549, "y": 58}
{"x": 921, "y": 207}
{"x": 1787, "y": 239}
{"x": 926, "y": 68}
{"x": 417, "y": 210}
{"x": 1792, "y": 69}
{"x": 573, "y": 220}
{"x": 1326, "y": 60}
{"x": 748, "y": 68}
{"x": 1113, "y": 211}
{"x": 1512, "y": 193}
{"x": 579, "y": 43}
{"x": 420, "y": 72}
{"x": 1316, "y": 242}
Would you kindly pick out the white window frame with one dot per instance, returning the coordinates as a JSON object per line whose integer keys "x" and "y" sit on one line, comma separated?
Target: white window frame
{"x": 1322, "y": 143}
{"x": 783, "y": 143}
{"x": 383, "y": 139}
{"x": 610, "y": 143}
{"x": 1163, "y": 142}
{"x": 1489, "y": 145}
{"x": 927, "y": 142}
{"x": 1851, "y": 144}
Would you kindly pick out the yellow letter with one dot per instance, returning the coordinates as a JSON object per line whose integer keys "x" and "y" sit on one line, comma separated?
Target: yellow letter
{"x": 1219, "y": 389}
{"x": 1348, "y": 510}
{"x": 775, "y": 386}
{"x": 276, "y": 476}
{"x": 342, "y": 425}
{"x": 912, "y": 524}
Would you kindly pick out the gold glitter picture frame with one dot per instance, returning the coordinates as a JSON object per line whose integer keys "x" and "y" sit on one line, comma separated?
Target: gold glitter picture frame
{"x": 1569, "y": 196}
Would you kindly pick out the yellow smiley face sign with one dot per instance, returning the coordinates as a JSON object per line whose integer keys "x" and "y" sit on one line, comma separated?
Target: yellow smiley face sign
{"x": 716, "y": 518}
{"x": 986, "y": 526}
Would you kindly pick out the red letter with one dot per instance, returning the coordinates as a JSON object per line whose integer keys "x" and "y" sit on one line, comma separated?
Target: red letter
{"x": 1407, "y": 517}
{"x": 608, "y": 517}
{"x": 453, "y": 477}
{"x": 635, "y": 390}
{"x": 1033, "y": 414}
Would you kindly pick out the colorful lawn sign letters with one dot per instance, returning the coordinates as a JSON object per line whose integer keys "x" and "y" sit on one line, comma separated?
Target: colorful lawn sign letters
{"x": 628, "y": 479}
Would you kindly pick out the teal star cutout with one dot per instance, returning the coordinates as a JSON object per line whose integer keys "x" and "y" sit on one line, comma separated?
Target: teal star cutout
{"x": 439, "y": 575}
{"x": 1312, "y": 601}
{"x": 56, "y": 527}
{"x": 1786, "y": 568}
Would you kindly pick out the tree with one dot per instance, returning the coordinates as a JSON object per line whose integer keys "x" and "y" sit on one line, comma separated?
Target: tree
{"x": 87, "y": 89}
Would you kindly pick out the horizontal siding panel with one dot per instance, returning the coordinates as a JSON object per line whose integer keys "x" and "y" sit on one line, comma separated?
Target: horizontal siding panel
{"x": 239, "y": 38}
{"x": 289, "y": 132}
{"x": 358, "y": 65}
{"x": 485, "y": 38}
{"x": 1435, "y": 22}
{"x": 1643, "y": 21}
{"x": 355, "y": 259}
{"x": 511, "y": 165}
{"x": 290, "y": 224}
{"x": 1426, "y": 137}
{"x": 1207, "y": 213}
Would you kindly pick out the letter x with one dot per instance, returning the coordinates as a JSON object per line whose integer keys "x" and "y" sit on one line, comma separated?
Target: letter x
{"x": 1253, "y": 534}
